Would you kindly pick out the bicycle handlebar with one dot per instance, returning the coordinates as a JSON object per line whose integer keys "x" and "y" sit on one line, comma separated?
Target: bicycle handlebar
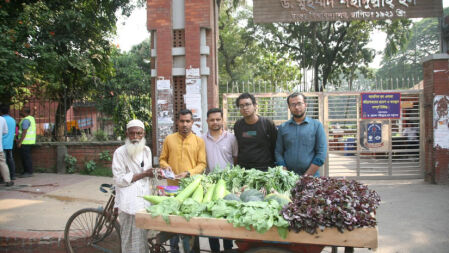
{"x": 110, "y": 186}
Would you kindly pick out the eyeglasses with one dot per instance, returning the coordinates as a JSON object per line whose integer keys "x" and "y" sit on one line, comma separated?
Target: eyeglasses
{"x": 296, "y": 104}
{"x": 135, "y": 133}
{"x": 241, "y": 106}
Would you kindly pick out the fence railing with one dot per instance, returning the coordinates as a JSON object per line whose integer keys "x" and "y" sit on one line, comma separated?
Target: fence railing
{"x": 404, "y": 83}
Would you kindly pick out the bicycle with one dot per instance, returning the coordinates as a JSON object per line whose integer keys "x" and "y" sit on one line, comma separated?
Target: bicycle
{"x": 94, "y": 228}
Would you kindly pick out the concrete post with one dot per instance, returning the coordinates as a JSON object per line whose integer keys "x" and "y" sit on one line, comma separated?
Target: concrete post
{"x": 61, "y": 151}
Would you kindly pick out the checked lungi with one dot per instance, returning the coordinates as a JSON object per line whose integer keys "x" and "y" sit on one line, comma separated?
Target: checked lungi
{"x": 134, "y": 239}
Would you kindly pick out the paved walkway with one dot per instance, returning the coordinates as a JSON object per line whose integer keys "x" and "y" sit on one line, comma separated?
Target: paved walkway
{"x": 413, "y": 216}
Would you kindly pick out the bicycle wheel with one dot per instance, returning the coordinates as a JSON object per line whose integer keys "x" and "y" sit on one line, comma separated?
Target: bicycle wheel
{"x": 79, "y": 237}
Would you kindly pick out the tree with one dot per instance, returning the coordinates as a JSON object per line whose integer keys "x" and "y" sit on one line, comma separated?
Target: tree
{"x": 242, "y": 57}
{"x": 329, "y": 48}
{"x": 67, "y": 45}
{"x": 406, "y": 62}
{"x": 127, "y": 94}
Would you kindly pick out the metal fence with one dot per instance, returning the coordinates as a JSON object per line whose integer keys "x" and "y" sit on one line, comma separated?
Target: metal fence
{"x": 82, "y": 117}
{"x": 402, "y": 156}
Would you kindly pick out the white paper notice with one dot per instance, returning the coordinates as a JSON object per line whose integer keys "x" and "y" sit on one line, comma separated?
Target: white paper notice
{"x": 163, "y": 84}
{"x": 193, "y": 86}
{"x": 192, "y": 73}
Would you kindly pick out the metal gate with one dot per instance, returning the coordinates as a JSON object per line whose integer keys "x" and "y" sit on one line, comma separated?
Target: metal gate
{"x": 401, "y": 156}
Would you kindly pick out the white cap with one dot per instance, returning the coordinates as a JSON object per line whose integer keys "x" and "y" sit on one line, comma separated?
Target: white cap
{"x": 135, "y": 123}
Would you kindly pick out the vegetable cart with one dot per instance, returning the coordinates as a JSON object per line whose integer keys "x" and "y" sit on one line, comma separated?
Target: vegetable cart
{"x": 270, "y": 241}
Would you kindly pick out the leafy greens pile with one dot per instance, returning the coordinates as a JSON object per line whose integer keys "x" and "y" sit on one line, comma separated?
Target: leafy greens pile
{"x": 274, "y": 180}
{"x": 330, "y": 202}
{"x": 259, "y": 215}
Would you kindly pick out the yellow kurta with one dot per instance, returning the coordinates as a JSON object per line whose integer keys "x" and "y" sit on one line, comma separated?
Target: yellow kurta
{"x": 182, "y": 155}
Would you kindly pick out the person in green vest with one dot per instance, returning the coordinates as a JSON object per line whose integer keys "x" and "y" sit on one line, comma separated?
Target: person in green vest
{"x": 26, "y": 139}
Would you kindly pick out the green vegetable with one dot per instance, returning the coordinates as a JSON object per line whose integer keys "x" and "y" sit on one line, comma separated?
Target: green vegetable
{"x": 255, "y": 194}
{"x": 209, "y": 193}
{"x": 232, "y": 197}
{"x": 220, "y": 190}
{"x": 189, "y": 190}
{"x": 198, "y": 194}
{"x": 153, "y": 199}
{"x": 280, "y": 198}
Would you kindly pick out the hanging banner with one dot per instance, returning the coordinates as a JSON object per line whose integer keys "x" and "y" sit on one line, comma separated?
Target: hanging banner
{"x": 269, "y": 11}
{"x": 381, "y": 105}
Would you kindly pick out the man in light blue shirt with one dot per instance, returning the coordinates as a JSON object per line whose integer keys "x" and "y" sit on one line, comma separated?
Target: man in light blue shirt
{"x": 8, "y": 140}
{"x": 301, "y": 144}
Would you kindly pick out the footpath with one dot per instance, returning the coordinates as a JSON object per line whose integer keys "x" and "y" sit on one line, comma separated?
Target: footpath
{"x": 413, "y": 215}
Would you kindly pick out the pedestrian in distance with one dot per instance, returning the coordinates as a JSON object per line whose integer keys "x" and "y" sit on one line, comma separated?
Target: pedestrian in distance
{"x": 26, "y": 140}
{"x": 132, "y": 170}
{"x": 301, "y": 144}
{"x": 185, "y": 154}
{"x": 221, "y": 153}
{"x": 256, "y": 136}
{"x": 3, "y": 167}
{"x": 8, "y": 140}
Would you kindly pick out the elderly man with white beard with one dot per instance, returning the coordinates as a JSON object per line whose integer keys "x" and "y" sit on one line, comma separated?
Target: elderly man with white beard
{"x": 132, "y": 169}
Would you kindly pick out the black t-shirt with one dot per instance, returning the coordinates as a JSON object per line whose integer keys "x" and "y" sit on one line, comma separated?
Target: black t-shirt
{"x": 256, "y": 143}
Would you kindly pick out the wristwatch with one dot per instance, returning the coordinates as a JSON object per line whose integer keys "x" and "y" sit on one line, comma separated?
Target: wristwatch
{"x": 188, "y": 174}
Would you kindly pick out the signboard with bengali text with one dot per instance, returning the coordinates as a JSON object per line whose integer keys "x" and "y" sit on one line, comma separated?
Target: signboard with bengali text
{"x": 381, "y": 105}
{"x": 269, "y": 11}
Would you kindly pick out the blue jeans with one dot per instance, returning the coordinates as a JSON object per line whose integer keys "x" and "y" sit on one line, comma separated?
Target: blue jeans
{"x": 10, "y": 162}
{"x": 214, "y": 244}
{"x": 174, "y": 244}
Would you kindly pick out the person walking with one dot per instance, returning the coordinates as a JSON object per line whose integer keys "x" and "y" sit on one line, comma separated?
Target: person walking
{"x": 301, "y": 144}
{"x": 3, "y": 167}
{"x": 8, "y": 140}
{"x": 26, "y": 139}
{"x": 256, "y": 136}
{"x": 132, "y": 170}
{"x": 184, "y": 153}
{"x": 221, "y": 152}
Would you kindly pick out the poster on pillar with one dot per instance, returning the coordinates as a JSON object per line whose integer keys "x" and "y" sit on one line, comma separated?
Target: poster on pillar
{"x": 441, "y": 121}
{"x": 192, "y": 98}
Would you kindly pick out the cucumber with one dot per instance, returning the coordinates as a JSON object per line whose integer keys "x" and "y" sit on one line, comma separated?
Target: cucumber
{"x": 220, "y": 190}
{"x": 210, "y": 191}
{"x": 189, "y": 190}
{"x": 154, "y": 199}
{"x": 198, "y": 194}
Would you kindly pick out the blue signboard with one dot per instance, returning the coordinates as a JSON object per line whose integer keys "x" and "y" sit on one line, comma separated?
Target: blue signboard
{"x": 381, "y": 105}
{"x": 374, "y": 133}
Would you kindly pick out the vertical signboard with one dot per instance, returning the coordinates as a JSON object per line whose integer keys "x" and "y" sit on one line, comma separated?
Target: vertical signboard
{"x": 441, "y": 121}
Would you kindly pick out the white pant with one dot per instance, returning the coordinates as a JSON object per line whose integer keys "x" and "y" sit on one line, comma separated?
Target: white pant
{"x": 4, "y": 167}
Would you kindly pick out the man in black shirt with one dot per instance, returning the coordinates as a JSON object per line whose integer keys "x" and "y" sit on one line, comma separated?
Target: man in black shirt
{"x": 256, "y": 136}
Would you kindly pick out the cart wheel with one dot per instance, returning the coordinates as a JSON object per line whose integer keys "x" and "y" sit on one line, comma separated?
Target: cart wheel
{"x": 78, "y": 235}
{"x": 268, "y": 250}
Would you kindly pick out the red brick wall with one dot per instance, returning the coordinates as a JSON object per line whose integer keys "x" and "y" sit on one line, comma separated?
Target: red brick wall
{"x": 436, "y": 82}
{"x": 44, "y": 154}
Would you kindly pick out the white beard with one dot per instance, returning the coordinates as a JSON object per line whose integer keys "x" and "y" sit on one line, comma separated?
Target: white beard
{"x": 134, "y": 149}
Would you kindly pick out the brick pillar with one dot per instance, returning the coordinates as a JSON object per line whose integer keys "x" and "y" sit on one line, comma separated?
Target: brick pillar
{"x": 188, "y": 28}
{"x": 436, "y": 95}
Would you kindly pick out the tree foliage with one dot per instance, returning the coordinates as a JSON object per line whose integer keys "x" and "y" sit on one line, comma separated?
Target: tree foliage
{"x": 242, "y": 57}
{"x": 406, "y": 61}
{"x": 127, "y": 94}
{"x": 64, "y": 45}
{"x": 330, "y": 49}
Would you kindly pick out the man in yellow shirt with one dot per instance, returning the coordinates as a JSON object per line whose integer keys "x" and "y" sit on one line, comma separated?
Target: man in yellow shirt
{"x": 183, "y": 152}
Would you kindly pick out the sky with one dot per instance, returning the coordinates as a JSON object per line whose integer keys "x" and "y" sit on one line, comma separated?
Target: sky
{"x": 133, "y": 30}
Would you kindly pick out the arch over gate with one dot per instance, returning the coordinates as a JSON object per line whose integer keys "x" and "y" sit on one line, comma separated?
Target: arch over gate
{"x": 400, "y": 156}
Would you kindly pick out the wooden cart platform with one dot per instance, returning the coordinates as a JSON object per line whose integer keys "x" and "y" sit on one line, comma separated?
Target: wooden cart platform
{"x": 358, "y": 238}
